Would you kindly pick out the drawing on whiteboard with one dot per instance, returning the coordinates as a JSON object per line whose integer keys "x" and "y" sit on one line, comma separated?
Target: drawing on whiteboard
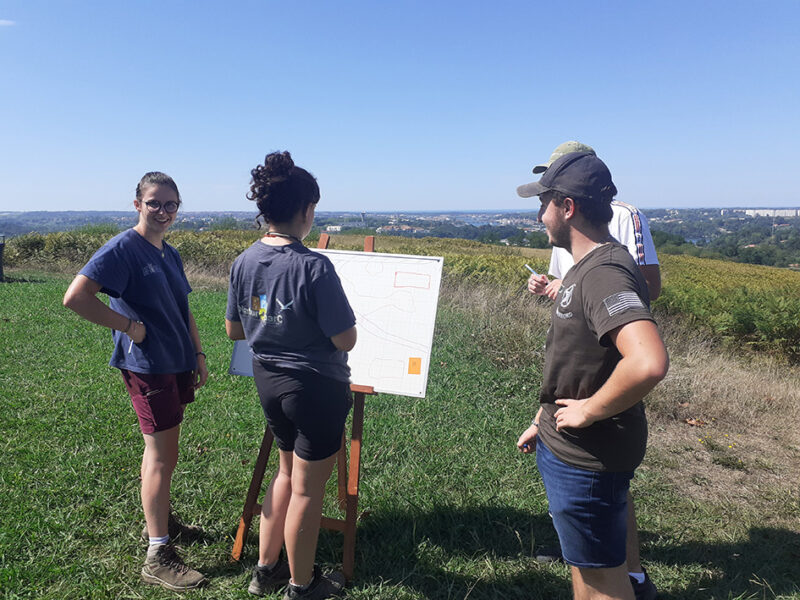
{"x": 395, "y": 299}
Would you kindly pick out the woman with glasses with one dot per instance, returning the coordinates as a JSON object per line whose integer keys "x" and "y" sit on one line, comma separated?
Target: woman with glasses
{"x": 158, "y": 351}
{"x": 288, "y": 303}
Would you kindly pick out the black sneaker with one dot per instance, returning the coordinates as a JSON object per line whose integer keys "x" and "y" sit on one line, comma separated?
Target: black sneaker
{"x": 548, "y": 554}
{"x": 645, "y": 590}
{"x": 322, "y": 587}
{"x": 164, "y": 567}
{"x": 178, "y": 531}
{"x": 268, "y": 580}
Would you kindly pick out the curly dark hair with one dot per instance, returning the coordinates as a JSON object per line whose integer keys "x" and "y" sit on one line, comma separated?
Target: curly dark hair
{"x": 156, "y": 178}
{"x": 280, "y": 189}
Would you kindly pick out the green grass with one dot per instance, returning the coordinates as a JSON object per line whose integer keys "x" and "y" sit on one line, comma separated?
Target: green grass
{"x": 451, "y": 509}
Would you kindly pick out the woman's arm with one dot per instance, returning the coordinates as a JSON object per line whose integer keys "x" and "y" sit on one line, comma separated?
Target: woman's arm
{"x": 346, "y": 340}
{"x": 234, "y": 329}
{"x": 81, "y": 297}
{"x": 201, "y": 374}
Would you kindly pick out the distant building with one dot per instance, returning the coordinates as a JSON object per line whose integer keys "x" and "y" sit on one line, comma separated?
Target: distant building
{"x": 333, "y": 228}
{"x": 772, "y": 212}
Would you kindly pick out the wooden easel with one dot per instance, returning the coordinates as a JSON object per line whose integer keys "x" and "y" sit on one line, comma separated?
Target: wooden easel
{"x": 347, "y": 482}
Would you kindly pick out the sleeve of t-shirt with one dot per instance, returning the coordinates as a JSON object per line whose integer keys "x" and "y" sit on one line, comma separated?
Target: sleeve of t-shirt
{"x": 334, "y": 314}
{"x": 611, "y": 298}
{"x": 109, "y": 269}
{"x": 631, "y": 229}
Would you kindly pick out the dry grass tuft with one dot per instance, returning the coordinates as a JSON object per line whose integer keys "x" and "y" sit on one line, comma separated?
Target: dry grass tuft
{"x": 205, "y": 278}
{"x": 509, "y": 323}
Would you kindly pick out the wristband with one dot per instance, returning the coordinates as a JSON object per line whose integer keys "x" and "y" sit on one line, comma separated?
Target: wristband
{"x": 130, "y": 322}
{"x": 201, "y": 353}
{"x": 534, "y": 423}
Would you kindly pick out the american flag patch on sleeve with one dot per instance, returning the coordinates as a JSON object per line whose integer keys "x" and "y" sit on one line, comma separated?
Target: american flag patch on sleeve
{"x": 622, "y": 301}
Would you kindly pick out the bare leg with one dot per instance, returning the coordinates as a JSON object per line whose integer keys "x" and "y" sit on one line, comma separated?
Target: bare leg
{"x": 303, "y": 516}
{"x": 158, "y": 463}
{"x": 273, "y": 511}
{"x": 632, "y": 539}
{"x": 602, "y": 584}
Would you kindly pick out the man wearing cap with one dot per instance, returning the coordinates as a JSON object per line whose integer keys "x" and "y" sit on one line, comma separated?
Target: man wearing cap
{"x": 603, "y": 355}
{"x": 629, "y": 227}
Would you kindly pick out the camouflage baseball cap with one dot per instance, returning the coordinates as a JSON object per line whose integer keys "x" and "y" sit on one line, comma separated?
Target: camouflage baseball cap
{"x": 560, "y": 151}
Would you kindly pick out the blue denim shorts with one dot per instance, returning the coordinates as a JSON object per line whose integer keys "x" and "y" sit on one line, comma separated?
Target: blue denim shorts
{"x": 589, "y": 510}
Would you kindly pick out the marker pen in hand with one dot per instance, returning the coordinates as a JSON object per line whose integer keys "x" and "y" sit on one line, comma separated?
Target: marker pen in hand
{"x": 527, "y": 266}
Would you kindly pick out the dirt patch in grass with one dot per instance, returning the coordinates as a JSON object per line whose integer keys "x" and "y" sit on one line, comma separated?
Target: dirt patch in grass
{"x": 708, "y": 465}
{"x": 724, "y": 428}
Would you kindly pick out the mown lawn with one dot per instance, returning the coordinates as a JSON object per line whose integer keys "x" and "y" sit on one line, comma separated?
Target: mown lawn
{"x": 451, "y": 509}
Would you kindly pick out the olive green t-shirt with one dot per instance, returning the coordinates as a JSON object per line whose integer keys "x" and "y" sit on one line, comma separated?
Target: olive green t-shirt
{"x": 603, "y": 291}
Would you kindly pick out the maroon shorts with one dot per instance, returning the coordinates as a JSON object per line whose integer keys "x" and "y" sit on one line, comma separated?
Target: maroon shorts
{"x": 159, "y": 399}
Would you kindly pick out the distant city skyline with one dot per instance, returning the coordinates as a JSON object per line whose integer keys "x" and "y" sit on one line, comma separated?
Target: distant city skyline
{"x": 398, "y": 106}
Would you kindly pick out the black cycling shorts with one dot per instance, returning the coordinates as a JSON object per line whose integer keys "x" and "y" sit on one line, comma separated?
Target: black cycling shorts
{"x": 305, "y": 411}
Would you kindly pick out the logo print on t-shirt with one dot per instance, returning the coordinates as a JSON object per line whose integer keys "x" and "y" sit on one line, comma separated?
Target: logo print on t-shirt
{"x": 262, "y": 311}
{"x": 567, "y": 297}
{"x": 150, "y": 269}
{"x": 284, "y": 306}
{"x": 617, "y": 303}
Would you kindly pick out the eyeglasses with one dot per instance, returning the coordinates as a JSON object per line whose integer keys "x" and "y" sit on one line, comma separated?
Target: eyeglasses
{"x": 170, "y": 207}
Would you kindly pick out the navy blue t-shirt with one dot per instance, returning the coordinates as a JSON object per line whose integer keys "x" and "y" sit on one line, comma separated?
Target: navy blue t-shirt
{"x": 149, "y": 285}
{"x": 290, "y": 302}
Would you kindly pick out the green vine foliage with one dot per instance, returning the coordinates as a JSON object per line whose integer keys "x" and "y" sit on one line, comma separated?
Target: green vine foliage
{"x": 749, "y": 305}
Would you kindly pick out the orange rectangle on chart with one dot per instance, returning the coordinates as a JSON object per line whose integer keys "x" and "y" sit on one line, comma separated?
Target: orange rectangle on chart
{"x": 414, "y": 365}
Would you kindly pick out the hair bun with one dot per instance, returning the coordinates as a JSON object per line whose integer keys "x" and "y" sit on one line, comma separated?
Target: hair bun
{"x": 278, "y": 166}
{"x": 281, "y": 189}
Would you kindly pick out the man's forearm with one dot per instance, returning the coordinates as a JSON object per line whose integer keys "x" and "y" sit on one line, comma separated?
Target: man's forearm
{"x": 644, "y": 363}
{"x": 628, "y": 384}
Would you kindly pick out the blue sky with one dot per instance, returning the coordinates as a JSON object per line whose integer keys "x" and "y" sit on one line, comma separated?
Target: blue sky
{"x": 397, "y": 105}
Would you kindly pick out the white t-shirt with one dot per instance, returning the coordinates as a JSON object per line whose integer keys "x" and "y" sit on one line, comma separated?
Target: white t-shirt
{"x": 629, "y": 226}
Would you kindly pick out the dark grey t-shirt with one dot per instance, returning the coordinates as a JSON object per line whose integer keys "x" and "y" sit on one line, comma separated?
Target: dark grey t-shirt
{"x": 290, "y": 302}
{"x": 600, "y": 293}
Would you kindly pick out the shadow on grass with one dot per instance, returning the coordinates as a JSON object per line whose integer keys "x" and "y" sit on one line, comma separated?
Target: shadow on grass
{"x": 765, "y": 563}
{"x": 9, "y": 279}
{"x": 452, "y": 552}
{"x": 487, "y": 552}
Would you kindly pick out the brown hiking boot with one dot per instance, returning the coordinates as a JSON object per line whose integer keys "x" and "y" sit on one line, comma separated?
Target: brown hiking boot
{"x": 178, "y": 531}
{"x": 164, "y": 567}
